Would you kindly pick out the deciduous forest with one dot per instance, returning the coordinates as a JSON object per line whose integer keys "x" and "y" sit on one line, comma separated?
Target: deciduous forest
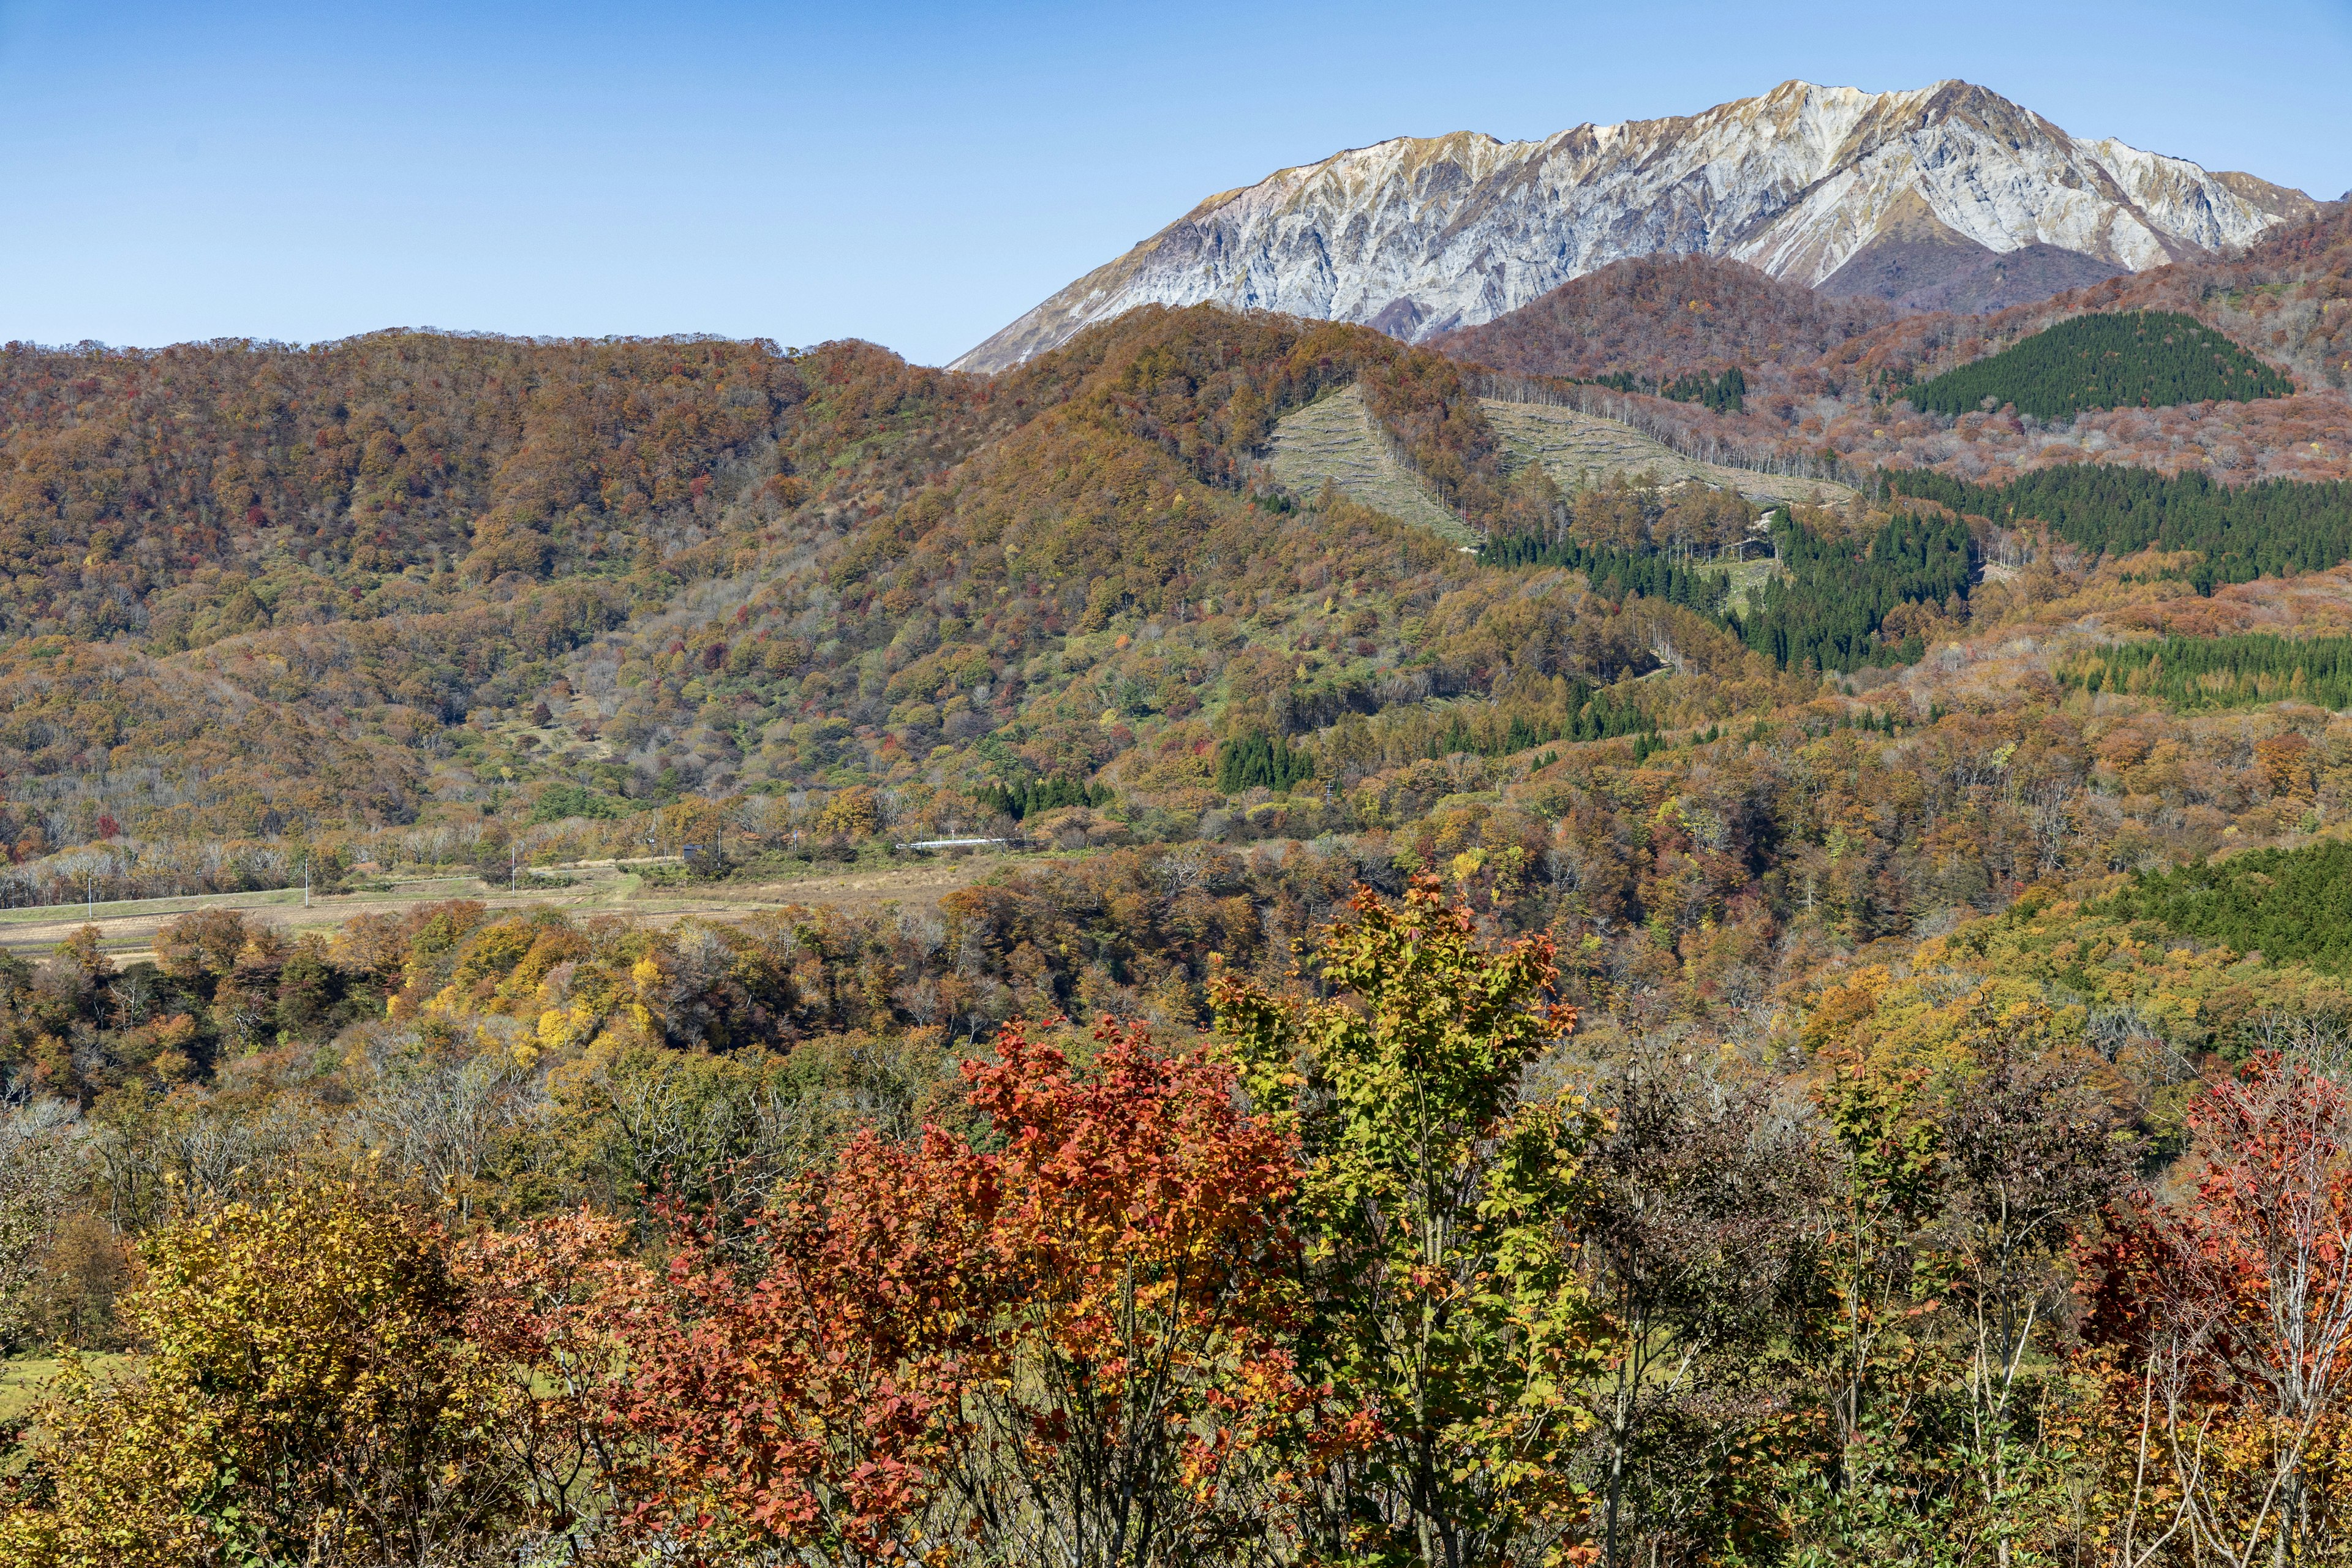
{"x": 694, "y": 951}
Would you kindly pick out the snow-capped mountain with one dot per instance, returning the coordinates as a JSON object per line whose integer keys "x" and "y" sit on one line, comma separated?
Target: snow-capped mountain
{"x": 1420, "y": 236}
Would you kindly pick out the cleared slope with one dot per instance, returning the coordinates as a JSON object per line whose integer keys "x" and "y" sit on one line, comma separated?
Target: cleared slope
{"x": 1333, "y": 439}
{"x": 1581, "y": 450}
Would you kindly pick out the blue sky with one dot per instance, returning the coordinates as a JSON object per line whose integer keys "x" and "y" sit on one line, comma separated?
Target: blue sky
{"x": 917, "y": 174}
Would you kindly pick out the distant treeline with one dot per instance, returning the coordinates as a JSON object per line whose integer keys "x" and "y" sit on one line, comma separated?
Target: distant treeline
{"x": 2293, "y": 906}
{"x": 1591, "y": 715}
{"x": 1827, "y": 605}
{"x": 1618, "y": 573}
{"x": 2147, "y": 359}
{"x": 1574, "y": 711}
{"x": 559, "y": 802}
{"x": 2220, "y": 672}
{"x": 1028, "y": 798}
{"x": 2277, "y": 528}
{"x": 1726, "y": 394}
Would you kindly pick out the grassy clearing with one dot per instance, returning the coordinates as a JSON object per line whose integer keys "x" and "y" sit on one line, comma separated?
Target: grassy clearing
{"x": 126, "y": 928}
{"x": 1579, "y": 450}
{"x": 1332, "y": 438}
{"x": 1748, "y": 580}
{"x": 21, "y": 1379}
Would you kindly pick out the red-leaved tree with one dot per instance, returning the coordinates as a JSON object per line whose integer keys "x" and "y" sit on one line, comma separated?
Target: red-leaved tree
{"x": 1064, "y": 1349}
{"x": 2226, "y": 1328}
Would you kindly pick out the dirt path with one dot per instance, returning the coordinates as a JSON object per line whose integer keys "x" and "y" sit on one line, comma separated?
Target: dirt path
{"x": 925, "y": 882}
{"x": 127, "y": 931}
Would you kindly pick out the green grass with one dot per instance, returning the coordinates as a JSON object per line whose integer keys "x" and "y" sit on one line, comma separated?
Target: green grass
{"x": 1334, "y": 438}
{"x": 21, "y": 1379}
{"x": 1748, "y": 578}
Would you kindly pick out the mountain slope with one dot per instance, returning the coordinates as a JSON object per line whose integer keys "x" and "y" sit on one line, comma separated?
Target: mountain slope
{"x": 1421, "y": 236}
{"x": 1920, "y": 263}
{"x": 1334, "y": 441}
{"x": 1662, "y": 316}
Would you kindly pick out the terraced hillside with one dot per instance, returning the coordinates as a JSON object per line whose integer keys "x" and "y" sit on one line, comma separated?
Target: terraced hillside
{"x": 1332, "y": 438}
{"x": 1582, "y": 449}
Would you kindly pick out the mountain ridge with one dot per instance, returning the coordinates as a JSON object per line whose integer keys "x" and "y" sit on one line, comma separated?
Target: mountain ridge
{"x": 1422, "y": 236}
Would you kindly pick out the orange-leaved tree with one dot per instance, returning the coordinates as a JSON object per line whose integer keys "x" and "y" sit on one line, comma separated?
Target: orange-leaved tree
{"x": 1067, "y": 1348}
{"x": 538, "y": 1310}
{"x": 2221, "y": 1331}
{"x": 813, "y": 1397}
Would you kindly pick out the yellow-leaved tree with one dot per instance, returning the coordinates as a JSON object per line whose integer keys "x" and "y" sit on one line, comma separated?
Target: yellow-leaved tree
{"x": 1436, "y": 1203}
{"x": 313, "y": 1391}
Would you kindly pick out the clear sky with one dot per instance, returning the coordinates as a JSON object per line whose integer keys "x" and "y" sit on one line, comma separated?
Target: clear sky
{"x": 917, "y": 174}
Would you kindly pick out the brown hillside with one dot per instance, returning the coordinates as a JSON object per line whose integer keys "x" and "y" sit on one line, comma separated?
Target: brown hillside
{"x": 1661, "y": 316}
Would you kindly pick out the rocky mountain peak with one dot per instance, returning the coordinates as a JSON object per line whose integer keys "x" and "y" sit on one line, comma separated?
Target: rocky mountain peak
{"x": 1908, "y": 197}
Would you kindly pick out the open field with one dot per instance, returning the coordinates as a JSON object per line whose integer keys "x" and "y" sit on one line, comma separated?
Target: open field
{"x": 126, "y": 928}
{"x": 20, "y": 1380}
{"x": 1748, "y": 579}
{"x": 1581, "y": 450}
{"x": 1332, "y": 438}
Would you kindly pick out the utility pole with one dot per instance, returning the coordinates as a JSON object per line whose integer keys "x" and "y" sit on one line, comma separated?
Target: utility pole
{"x": 306, "y": 881}
{"x": 93, "y": 893}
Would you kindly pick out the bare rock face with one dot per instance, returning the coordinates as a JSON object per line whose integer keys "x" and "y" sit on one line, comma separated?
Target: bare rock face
{"x": 1424, "y": 235}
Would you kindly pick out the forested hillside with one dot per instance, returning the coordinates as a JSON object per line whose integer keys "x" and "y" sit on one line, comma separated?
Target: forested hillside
{"x": 2239, "y": 532}
{"x": 2293, "y": 905}
{"x": 276, "y": 613}
{"x": 1823, "y": 605}
{"x": 1651, "y": 322}
{"x": 2148, "y": 358}
{"x": 2222, "y": 672}
{"x": 1805, "y": 1015}
{"x": 1833, "y": 389}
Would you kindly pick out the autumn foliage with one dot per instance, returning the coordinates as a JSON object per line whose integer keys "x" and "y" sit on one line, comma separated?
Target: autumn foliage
{"x": 1397, "y": 1267}
{"x": 1069, "y": 1344}
{"x": 2227, "y": 1321}
{"x": 318, "y": 1383}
